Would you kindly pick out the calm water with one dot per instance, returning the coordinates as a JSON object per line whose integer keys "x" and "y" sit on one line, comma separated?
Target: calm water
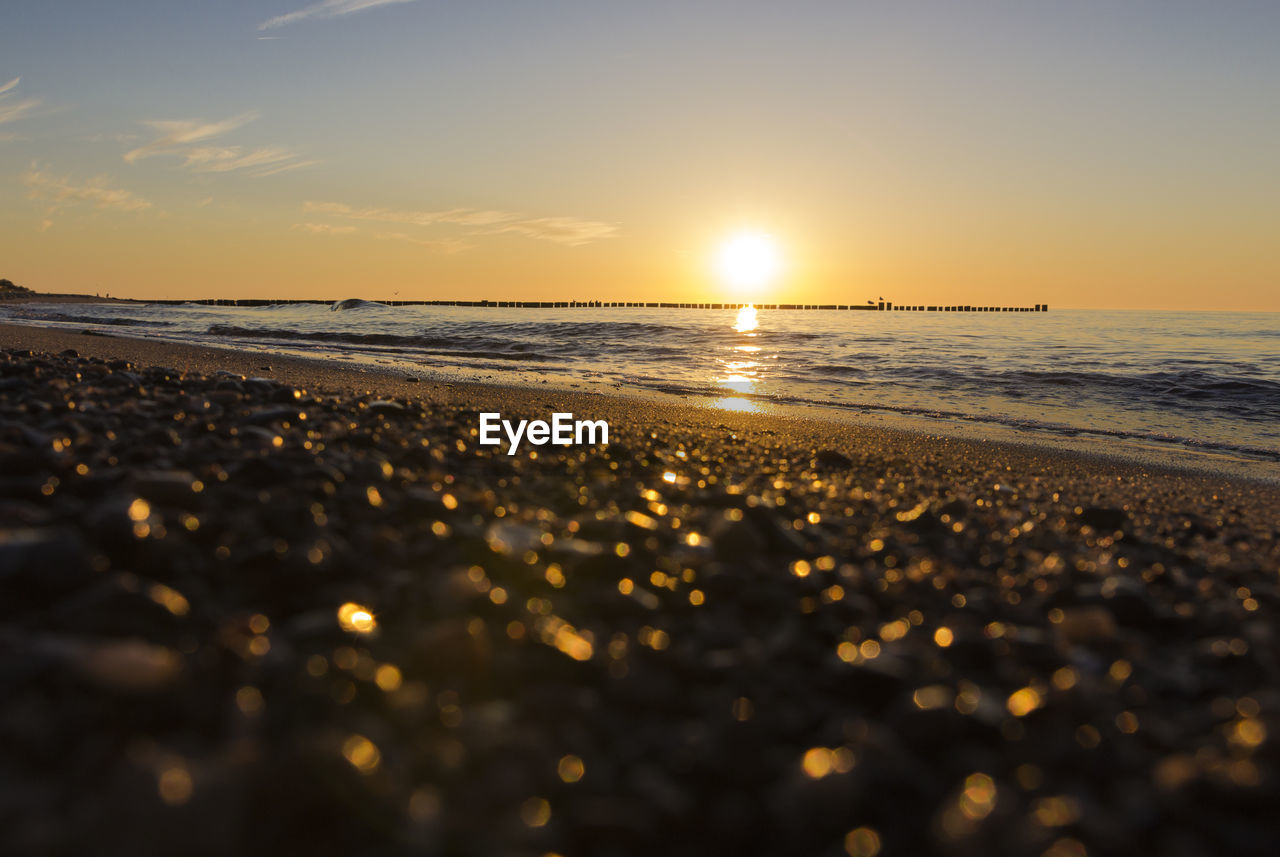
{"x": 1201, "y": 381}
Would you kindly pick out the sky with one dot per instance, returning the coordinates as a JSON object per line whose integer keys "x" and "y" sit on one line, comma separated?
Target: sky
{"x": 1080, "y": 154}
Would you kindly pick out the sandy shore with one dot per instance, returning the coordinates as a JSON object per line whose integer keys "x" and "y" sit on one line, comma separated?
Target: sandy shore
{"x": 297, "y": 608}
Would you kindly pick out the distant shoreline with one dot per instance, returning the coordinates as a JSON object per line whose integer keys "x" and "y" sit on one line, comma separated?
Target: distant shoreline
{"x": 37, "y": 298}
{"x": 882, "y": 306}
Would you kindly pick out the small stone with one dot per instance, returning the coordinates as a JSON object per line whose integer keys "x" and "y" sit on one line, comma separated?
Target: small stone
{"x": 452, "y": 647}
{"x": 47, "y": 558}
{"x": 833, "y": 459}
{"x": 165, "y": 486}
{"x": 267, "y": 416}
{"x": 118, "y": 605}
{"x": 1087, "y": 625}
{"x": 260, "y": 386}
{"x": 1104, "y": 519}
{"x": 128, "y": 666}
{"x": 735, "y": 540}
{"x": 256, "y": 436}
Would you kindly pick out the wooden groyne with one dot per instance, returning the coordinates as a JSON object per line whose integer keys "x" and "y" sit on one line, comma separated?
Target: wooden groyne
{"x": 881, "y": 306}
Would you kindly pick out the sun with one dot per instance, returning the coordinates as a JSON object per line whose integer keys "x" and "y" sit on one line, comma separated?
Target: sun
{"x": 748, "y": 260}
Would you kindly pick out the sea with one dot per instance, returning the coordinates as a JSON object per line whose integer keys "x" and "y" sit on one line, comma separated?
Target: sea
{"x": 1198, "y": 384}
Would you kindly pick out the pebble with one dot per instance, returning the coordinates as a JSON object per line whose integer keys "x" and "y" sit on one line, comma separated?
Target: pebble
{"x": 41, "y": 559}
{"x": 701, "y": 640}
{"x": 125, "y": 666}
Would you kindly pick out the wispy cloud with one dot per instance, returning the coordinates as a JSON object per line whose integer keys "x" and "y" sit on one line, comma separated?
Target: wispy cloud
{"x": 326, "y": 228}
{"x": 438, "y": 245}
{"x": 561, "y": 230}
{"x": 261, "y": 162}
{"x": 11, "y": 107}
{"x": 177, "y": 135}
{"x": 61, "y": 192}
{"x": 457, "y": 216}
{"x": 111, "y": 138}
{"x": 570, "y": 231}
{"x": 325, "y": 9}
{"x": 446, "y": 246}
{"x": 183, "y": 138}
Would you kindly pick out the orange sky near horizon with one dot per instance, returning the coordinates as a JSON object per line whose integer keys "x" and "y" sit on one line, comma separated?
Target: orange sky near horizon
{"x": 1081, "y": 157}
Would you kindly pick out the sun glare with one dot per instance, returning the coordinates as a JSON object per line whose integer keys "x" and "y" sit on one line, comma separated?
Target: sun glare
{"x": 748, "y": 260}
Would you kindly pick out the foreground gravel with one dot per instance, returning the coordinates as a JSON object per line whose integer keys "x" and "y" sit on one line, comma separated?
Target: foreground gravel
{"x": 242, "y": 617}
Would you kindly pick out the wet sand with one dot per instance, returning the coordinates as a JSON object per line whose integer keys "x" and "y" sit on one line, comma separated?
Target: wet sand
{"x": 298, "y": 609}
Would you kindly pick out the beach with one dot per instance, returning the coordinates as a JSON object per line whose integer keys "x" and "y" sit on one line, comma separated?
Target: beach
{"x": 264, "y": 604}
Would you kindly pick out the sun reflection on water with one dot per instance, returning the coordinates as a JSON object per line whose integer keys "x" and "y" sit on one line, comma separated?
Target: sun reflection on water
{"x": 741, "y": 374}
{"x": 737, "y": 403}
